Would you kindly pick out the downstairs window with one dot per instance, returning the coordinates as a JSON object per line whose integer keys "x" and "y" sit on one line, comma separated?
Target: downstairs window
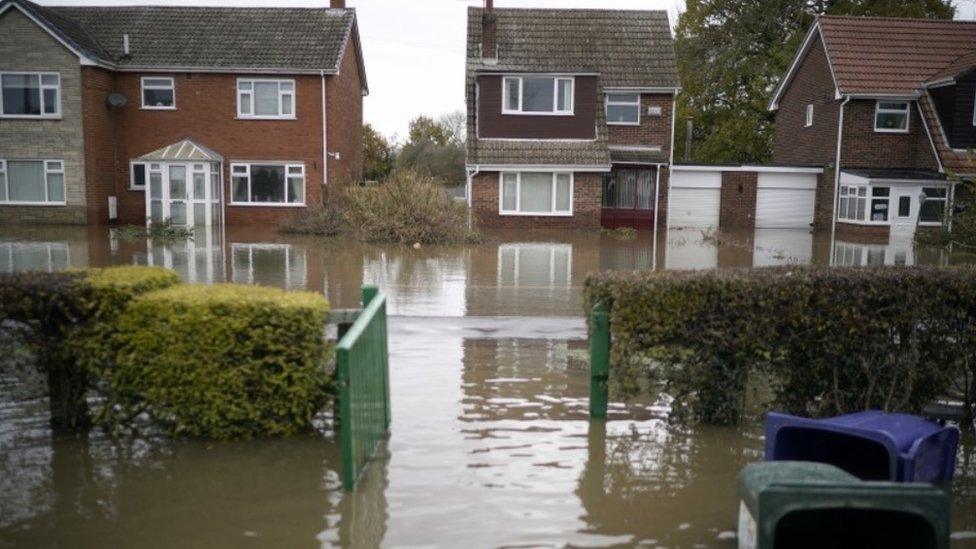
{"x": 32, "y": 182}
{"x": 934, "y": 206}
{"x": 268, "y": 184}
{"x": 536, "y": 193}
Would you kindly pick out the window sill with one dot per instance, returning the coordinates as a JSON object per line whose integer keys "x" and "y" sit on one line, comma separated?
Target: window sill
{"x": 145, "y": 108}
{"x": 29, "y": 117}
{"x": 521, "y": 113}
{"x": 536, "y": 214}
{"x": 876, "y": 130}
{"x": 266, "y": 205}
{"x": 137, "y": 189}
{"x": 278, "y": 118}
{"x": 633, "y": 124}
{"x": 35, "y": 204}
{"x": 865, "y": 223}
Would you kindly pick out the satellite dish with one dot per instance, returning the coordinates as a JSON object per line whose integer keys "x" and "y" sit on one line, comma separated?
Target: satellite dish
{"x": 116, "y": 100}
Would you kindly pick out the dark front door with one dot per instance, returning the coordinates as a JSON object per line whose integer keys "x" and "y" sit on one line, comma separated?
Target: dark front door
{"x": 628, "y": 198}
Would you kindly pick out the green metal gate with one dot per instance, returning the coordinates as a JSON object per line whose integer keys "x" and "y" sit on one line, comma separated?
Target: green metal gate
{"x": 599, "y": 361}
{"x": 364, "y": 387}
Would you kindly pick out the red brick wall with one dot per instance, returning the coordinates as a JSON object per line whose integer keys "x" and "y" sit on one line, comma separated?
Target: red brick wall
{"x": 738, "y": 207}
{"x": 793, "y": 142}
{"x": 823, "y": 208}
{"x": 865, "y": 148}
{"x": 100, "y": 126}
{"x": 587, "y": 194}
{"x": 652, "y": 131}
{"x": 345, "y": 120}
{"x": 864, "y": 234}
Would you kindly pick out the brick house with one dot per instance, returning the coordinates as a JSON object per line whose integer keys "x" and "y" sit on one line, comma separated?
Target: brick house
{"x": 570, "y": 116}
{"x": 885, "y": 106}
{"x": 198, "y": 115}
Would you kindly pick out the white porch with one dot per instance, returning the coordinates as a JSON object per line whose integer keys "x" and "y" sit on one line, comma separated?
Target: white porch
{"x": 183, "y": 185}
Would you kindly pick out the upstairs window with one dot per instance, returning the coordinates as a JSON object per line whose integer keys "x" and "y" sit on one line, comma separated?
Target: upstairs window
{"x": 809, "y": 121}
{"x": 268, "y": 99}
{"x": 891, "y": 117}
{"x": 623, "y": 109}
{"x": 30, "y": 95}
{"x": 537, "y": 95}
{"x": 158, "y": 93}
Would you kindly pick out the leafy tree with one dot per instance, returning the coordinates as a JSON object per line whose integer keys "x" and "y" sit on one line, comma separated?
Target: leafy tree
{"x": 378, "y": 157}
{"x": 436, "y": 148}
{"x": 731, "y": 55}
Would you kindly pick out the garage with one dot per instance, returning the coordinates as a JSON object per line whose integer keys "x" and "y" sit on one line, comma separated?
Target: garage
{"x": 696, "y": 198}
{"x": 785, "y": 200}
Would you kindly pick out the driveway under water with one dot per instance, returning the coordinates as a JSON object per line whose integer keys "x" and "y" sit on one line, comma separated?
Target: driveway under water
{"x": 490, "y": 442}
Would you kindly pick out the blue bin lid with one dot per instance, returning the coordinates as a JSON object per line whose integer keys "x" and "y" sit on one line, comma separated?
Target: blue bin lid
{"x": 902, "y": 429}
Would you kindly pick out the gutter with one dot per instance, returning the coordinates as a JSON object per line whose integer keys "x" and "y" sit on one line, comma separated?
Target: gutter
{"x": 325, "y": 134}
{"x": 833, "y": 214}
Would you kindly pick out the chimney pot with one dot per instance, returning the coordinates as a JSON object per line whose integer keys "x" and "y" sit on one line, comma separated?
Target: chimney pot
{"x": 489, "y": 32}
{"x": 338, "y": 4}
{"x": 489, "y": 5}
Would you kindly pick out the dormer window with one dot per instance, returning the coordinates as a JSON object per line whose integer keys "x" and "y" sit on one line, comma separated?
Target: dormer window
{"x": 891, "y": 117}
{"x": 537, "y": 95}
{"x": 30, "y": 95}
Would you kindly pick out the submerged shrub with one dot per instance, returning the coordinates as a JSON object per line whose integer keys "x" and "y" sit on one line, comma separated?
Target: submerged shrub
{"x": 830, "y": 340}
{"x": 327, "y": 219}
{"x": 222, "y": 361}
{"x": 158, "y": 230}
{"x": 70, "y": 316}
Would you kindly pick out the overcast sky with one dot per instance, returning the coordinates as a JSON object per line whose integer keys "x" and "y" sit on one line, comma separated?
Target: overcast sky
{"x": 414, "y": 49}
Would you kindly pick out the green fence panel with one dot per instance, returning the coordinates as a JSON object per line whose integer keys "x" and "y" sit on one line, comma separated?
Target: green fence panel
{"x": 364, "y": 387}
{"x": 599, "y": 361}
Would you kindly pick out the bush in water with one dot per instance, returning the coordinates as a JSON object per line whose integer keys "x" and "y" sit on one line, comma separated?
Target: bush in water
{"x": 70, "y": 316}
{"x": 222, "y": 361}
{"x": 406, "y": 208}
{"x": 830, "y": 340}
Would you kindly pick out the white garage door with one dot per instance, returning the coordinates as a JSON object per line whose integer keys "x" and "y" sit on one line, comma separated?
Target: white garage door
{"x": 695, "y": 199}
{"x": 785, "y": 200}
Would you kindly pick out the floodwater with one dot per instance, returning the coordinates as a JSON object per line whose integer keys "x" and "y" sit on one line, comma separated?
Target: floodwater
{"x": 490, "y": 444}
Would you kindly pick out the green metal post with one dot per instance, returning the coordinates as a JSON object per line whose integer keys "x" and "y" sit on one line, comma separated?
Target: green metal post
{"x": 599, "y": 361}
{"x": 369, "y": 292}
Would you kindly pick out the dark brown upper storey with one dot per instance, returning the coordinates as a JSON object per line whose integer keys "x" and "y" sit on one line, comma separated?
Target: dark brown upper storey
{"x": 599, "y": 50}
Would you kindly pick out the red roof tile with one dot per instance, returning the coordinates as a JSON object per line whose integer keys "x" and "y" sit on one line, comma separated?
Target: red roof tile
{"x": 876, "y": 55}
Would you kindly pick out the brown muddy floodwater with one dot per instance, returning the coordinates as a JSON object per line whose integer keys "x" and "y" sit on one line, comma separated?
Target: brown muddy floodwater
{"x": 490, "y": 444}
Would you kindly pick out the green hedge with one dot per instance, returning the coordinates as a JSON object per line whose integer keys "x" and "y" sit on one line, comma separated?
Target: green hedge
{"x": 70, "y": 315}
{"x": 826, "y": 340}
{"x": 222, "y": 361}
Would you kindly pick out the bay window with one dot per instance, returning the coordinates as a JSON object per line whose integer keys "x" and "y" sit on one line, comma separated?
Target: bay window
{"x": 268, "y": 99}
{"x": 537, "y": 95}
{"x": 268, "y": 184}
{"x": 536, "y": 193}
{"x": 158, "y": 93}
{"x": 891, "y": 116}
{"x": 32, "y": 182}
{"x": 934, "y": 206}
{"x": 623, "y": 109}
{"x": 30, "y": 94}
{"x": 853, "y": 200}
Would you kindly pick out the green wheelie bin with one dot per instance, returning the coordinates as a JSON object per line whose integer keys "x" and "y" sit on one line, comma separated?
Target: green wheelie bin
{"x": 799, "y": 505}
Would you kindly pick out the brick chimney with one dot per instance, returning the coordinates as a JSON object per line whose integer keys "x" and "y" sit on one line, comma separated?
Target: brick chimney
{"x": 489, "y": 32}
{"x": 340, "y": 4}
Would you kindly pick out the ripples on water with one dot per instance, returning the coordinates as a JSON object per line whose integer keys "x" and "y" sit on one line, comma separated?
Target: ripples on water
{"x": 490, "y": 446}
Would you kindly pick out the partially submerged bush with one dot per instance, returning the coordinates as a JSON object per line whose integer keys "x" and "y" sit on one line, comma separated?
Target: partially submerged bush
{"x": 832, "y": 340}
{"x": 406, "y": 208}
{"x": 158, "y": 230}
{"x": 222, "y": 361}
{"x": 69, "y": 316}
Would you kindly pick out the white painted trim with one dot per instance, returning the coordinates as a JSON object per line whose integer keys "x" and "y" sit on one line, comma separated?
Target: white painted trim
{"x": 143, "y": 88}
{"x": 40, "y": 87}
{"x": 651, "y": 148}
{"x": 744, "y": 168}
{"x": 47, "y": 172}
{"x": 541, "y": 168}
{"x": 287, "y": 165}
{"x": 555, "y": 95}
{"x": 132, "y": 174}
{"x": 907, "y": 112}
{"x": 642, "y": 90}
{"x": 518, "y": 195}
{"x": 325, "y": 134}
{"x": 808, "y": 122}
{"x": 535, "y": 140}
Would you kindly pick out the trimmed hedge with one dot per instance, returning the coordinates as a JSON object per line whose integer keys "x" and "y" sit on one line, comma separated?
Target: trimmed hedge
{"x": 222, "y": 361}
{"x": 70, "y": 315}
{"x": 829, "y": 340}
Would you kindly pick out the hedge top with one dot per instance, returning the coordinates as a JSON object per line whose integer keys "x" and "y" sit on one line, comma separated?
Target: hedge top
{"x": 134, "y": 277}
{"x": 236, "y": 295}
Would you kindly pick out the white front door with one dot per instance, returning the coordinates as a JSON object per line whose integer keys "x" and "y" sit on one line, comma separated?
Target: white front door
{"x": 186, "y": 194}
{"x": 904, "y": 211}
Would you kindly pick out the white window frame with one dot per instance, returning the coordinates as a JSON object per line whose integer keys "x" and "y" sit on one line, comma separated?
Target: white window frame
{"x": 974, "y": 110}
{"x": 132, "y": 175}
{"x": 281, "y": 95}
{"x": 40, "y": 78}
{"x": 907, "y": 111}
{"x": 945, "y": 206}
{"x": 244, "y": 274}
{"x": 48, "y": 171}
{"x": 608, "y": 103}
{"x": 518, "y": 195}
{"x": 809, "y": 120}
{"x": 506, "y": 108}
{"x": 852, "y": 194}
{"x": 288, "y": 175}
{"x": 143, "y": 86}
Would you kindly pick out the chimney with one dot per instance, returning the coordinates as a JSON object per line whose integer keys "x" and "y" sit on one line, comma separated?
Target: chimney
{"x": 337, "y": 4}
{"x": 489, "y": 33}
